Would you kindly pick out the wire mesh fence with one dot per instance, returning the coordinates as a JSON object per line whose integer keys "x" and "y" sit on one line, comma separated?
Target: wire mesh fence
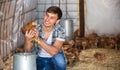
{"x": 13, "y": 15}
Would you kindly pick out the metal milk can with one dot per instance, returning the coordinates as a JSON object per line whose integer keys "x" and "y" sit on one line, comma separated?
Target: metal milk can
{"x": 24, "y": 61}
{"x": 68, "y": 29}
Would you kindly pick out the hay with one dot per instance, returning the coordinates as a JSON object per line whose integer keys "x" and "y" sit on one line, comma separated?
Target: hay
{"x": 89, "y": 62}
{"x": 1, "y": 63}
{"x": 8, "y": 64}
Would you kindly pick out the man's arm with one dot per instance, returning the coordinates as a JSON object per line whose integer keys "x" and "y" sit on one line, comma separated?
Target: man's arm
{"x": 28, "y": 41}
{"x": 28, "y": 46}
{"x": 51, "y": 49}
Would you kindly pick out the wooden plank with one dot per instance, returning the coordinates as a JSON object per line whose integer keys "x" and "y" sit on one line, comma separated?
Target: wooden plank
{"x": 82, "y": 20}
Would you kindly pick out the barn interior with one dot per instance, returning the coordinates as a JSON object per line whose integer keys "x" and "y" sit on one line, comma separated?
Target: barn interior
{"x": 92, "y": 31}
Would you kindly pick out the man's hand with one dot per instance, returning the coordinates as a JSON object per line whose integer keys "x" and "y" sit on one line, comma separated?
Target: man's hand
{"x": 36, "y": 33}
{"x": 29, "y": 35}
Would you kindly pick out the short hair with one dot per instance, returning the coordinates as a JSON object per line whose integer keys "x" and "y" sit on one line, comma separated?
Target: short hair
{"x": 55, "y": 10}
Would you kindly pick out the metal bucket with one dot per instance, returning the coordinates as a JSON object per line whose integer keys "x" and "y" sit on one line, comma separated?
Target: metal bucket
{"x": 68, "y": 29}
{"x": 24, "y": 61}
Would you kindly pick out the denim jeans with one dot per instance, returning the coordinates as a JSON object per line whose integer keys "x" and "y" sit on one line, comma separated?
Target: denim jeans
{"x": 57, "y": 62}
{"x": 44, "y": 64}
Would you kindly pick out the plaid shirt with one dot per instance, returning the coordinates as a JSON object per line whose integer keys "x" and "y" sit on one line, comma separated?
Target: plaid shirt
{"x": 58, "y": 32}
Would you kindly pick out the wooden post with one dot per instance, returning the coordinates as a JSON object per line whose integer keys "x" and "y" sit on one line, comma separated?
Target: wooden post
{"x": 82, "y": 20}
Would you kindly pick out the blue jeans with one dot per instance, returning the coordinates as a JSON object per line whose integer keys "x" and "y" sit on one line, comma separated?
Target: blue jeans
{"x": 57, "y": 62}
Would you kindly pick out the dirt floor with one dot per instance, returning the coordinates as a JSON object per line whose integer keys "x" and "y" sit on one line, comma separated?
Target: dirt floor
{"x": 97, "y": 59}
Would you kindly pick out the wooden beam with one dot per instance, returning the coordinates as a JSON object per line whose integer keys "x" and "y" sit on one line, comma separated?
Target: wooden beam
{"x": 82, "y": 20}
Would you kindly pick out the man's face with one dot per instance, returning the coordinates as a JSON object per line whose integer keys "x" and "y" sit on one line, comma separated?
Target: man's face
{"x": 50, "y": 19}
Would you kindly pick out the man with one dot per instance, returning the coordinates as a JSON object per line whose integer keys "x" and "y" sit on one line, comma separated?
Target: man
{"x": 49, "y": 37}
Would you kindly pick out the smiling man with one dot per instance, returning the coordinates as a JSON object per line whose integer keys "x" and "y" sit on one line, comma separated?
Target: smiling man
{"x": 49, "y": 36}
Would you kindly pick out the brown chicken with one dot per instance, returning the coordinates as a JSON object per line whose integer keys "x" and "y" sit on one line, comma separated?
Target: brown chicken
{"x": 99, "y": 56}
{"x": 28, "y": 26}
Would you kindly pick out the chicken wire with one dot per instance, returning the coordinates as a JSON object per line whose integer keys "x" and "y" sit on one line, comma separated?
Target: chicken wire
{"x": 13, "y": 15}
